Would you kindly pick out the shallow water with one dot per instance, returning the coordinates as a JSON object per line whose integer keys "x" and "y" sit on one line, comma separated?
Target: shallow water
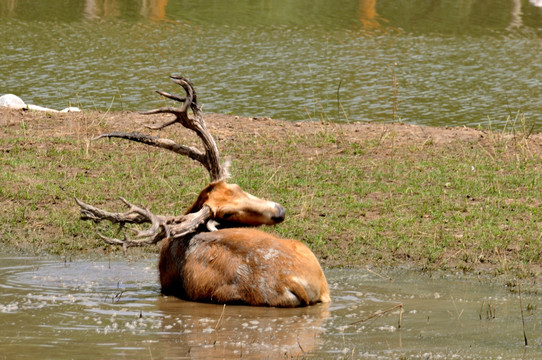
{"x": 455, "y": 63}
{"x": 51, "y": 309}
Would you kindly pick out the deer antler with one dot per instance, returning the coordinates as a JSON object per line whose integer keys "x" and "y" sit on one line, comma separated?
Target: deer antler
{"x": 209, "y": 158}
{"x": 135, "y": 215}
{"x": 162, "y": 227}
{"x": 165, "y": 226}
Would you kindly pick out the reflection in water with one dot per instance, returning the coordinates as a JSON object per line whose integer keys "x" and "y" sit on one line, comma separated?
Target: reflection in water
{"x": 101, "y": 9}
{"x": 459, "y": 63}
{"x": 101, "y": 310}
{"x": 367, "y": 14}
{"x": 7, "y": 7}
{"x": 515, "y": 16}
{"x": 152, "y": 9}
{"x": 218, "y": 332}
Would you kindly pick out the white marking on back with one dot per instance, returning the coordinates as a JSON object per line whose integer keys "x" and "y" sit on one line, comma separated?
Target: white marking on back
{"x": 270, "y": 254}
{"x": 264, "y": 289}
{"x": 243, "y": 271}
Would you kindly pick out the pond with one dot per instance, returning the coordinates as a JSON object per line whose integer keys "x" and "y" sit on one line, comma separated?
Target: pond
{"x": 425, "y": 62}
{"x": 55, "y": 309}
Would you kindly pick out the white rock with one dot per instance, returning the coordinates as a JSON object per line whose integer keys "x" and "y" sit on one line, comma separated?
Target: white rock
{"x": 12, "y": 101}
{"x": 71, "y": 109}
{"x": 40, "y": 108}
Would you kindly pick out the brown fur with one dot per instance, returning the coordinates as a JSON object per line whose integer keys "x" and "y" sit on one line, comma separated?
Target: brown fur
{"x": 241, "y": 265}
{"x": 228, "y": 202}
{"x": 244, "y": 266}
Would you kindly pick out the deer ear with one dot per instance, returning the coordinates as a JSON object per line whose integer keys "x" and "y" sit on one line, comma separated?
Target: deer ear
{"x": 226, "y": 168}
{"x": 202, "y": 199}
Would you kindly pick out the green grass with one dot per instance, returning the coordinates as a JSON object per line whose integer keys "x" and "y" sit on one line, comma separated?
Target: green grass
{"x": 434, "y": 207}
{"x": 375, "y": 200}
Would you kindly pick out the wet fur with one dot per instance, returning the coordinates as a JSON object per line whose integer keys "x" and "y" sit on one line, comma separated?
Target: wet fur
{"x": 242, "y": 266}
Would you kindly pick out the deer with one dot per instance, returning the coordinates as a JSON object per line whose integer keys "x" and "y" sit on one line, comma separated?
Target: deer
{"x": 214, "y": 252}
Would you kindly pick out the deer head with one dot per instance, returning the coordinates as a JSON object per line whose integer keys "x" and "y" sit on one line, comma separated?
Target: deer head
{"x": 231, "y": 206}
{"x": 219, "y": 204}
{"x": 228, "y": 203}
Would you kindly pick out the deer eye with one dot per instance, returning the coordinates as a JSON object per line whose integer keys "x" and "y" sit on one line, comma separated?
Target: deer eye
{"x": 226, "y": 216}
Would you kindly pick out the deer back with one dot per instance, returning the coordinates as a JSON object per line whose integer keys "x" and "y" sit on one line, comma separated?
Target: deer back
{"x": 242, "y": 266}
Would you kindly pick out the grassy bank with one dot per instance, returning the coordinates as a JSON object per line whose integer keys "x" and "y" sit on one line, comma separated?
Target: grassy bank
{"x": 358, "y": 194}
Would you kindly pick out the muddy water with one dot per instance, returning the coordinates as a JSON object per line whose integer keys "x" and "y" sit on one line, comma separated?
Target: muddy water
{"x": 50, "y": 309}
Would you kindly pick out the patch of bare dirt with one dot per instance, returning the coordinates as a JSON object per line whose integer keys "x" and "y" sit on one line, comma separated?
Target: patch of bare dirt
{"x": 88, "y": 124}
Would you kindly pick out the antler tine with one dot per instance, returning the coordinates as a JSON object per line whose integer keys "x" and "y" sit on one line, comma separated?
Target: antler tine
{"x": 134, "y": 215}
{"x": 181, "y": 114}
{"x": 188, "y": 223}
{"x": 162, "y": 110}
{"x": 162, "y": 143}
{"x": 162, "y": 227}
{"x": 211, "y": 159}
{"x": 171, "y": 96}
{"x": 89, "y": 212}
{"x": 189, "y": 89}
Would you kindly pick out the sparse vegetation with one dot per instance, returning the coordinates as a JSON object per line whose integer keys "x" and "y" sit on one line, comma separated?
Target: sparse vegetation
{"x": 358, "y": 194}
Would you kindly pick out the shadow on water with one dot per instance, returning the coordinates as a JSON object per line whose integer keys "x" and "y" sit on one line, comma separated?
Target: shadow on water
{"x": 97, "y": 310}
